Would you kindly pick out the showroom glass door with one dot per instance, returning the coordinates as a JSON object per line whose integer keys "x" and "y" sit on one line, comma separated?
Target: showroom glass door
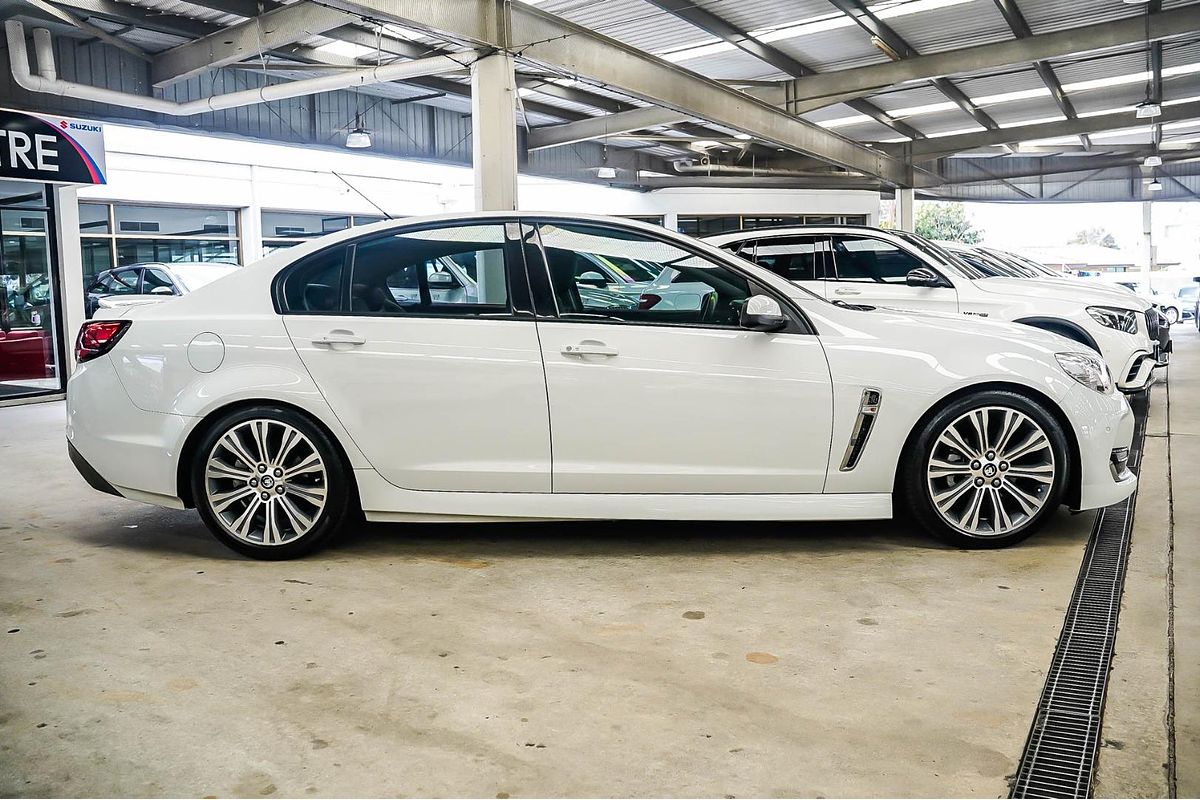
{"x": 30, "y": 355}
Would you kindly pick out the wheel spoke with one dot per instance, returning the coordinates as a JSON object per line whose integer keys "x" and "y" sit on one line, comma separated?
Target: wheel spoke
{"x": 1028, "y": 504}
{"x": 1042, "y": 473}
{"x": 310, "y": 464}
{"x": 219, "y": 469}
{"x": 300, "y": 521}
{"x": 241, "y": 525}
{"x": 1036, "y": 441}
{"x": 979, "y": 424}
{"x": 291, "y": 437}
{"x": 948, "y": 497}
{"x": 1002, "y": 521}
{"x": 939, "y": 468}
{"x": 234, "y": 445}
{"x": 951, "y": 438}
{"x": 222, "y": 501}
{"x": 313, "y": 494}
{"x": 271, "y": 532}
{"x": 1012, "y": 421}
{"x": 970, "y": 517}
{"x": 258, "y": 431}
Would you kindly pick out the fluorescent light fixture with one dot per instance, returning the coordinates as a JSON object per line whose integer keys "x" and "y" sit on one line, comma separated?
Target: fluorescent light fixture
{"x": 1148, "y": 110}
{"x": 704, "y": 144}
{"x": 745, "y": 137}
{"x": 841, "y": 122}
{"x": 1154, "y": 186}
{"x": 1152, "y": 161}
{"x": 358, "y": 139}
{"x": 885, "y": 48}
{"x": 606, "y": 173}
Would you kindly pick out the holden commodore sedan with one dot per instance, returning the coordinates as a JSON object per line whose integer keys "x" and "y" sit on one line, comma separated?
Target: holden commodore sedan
{"x": 303, "y": 390}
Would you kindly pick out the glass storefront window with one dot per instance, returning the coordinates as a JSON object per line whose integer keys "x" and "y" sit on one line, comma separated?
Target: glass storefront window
{"x": 116, "y": 235}
{"x": 282, "y": 229}
{"x": 29, "y": 347}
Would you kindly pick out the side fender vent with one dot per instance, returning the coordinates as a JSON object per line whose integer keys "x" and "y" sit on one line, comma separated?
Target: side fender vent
{"x": 868, "y": 409}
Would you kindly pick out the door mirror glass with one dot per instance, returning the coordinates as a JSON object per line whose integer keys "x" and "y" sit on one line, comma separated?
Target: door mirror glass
{"x": 762, "y": 313}
{"x": 592, "y": 278}
{"x": 923, "y": 276}
{"x": 441, "y": 280}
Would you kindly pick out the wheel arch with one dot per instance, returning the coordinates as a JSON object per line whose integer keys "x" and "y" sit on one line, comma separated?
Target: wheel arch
{"x": 1063, "y": 327}
{"x": 183, "y": 484}
{"x": 1074, "y": 474}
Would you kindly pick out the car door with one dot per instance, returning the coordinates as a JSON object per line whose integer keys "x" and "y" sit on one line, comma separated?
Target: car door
{"x": 873, "y": 270}
{"x": 673, "y": 396}
{"x": 804, "y": 260}
{"x": 440, "y": 389}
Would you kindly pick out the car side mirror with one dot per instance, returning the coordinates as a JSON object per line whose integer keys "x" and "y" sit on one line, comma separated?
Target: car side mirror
{"x": 440, "y": 280}
{"x": 923, "y": 276}
{"x": 592, "y": 278}
{"x": 162, "y": 290}
{"x": 762, "y": 313}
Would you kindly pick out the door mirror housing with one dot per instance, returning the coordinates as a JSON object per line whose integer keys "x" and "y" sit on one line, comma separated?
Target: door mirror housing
{"x": 162, "y": 290}
{"x": 762, "y": 313}
{"x": 924, "y": 276}
{"x": 441, "y": 280}
{"x": 592, "y": 278}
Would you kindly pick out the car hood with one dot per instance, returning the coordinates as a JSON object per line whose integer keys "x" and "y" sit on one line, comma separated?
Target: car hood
{"x": 1053, "y": 290}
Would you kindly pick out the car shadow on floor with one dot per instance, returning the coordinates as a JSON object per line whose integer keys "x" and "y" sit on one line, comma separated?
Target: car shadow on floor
{"x": 166, "y": 532}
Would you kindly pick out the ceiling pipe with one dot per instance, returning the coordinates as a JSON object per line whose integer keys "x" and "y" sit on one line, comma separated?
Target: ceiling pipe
{"x": 729, "y": 169}
{"x": 47, "y": 82}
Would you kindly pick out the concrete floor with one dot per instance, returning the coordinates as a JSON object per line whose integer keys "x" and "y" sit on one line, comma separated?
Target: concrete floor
{"x": 143, "y": 658}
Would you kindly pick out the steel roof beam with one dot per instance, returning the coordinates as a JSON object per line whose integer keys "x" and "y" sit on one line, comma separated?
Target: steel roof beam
{"x": 271, "y": 31}
{"x": 542, "y": 38}
{"x": 715, "y": 25}
{"x": 816, "y": 91}
{"x": 866, "y": 19}
{"x": 1020, "y": 28}
{"x": 1117, "y": 120}
{"x": 1051, "y": 166}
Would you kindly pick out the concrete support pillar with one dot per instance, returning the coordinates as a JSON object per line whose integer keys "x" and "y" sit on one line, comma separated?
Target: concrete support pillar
{"x": 905, "y": 212}
{"x": 1150, "y": 256}
{"x": 70, "y": 267}
{"x": 494, "y": 132}
{"x": 250, "y": 225}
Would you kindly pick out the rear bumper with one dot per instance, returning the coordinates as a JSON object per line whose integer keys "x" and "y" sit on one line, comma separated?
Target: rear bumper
{"x": 88, "y": 472}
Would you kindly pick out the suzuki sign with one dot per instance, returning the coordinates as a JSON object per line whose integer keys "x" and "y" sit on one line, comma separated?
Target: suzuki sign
{"x": 50, "y": 149}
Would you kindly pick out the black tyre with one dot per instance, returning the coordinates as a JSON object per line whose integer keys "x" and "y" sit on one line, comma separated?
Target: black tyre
{"x": 270, "y": 483}
{"x": 986, "y": 471}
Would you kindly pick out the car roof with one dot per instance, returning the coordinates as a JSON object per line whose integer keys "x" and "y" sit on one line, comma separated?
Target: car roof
{"x": 797, "y": 230}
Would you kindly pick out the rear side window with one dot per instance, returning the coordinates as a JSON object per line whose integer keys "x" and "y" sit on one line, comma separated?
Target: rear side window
{"x": 861, "y": 258}
{"x": 797, "y": 258}
{"x": 314, "y": 285}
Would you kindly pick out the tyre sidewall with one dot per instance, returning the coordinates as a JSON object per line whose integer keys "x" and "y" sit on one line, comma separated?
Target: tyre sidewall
{"x": 338, "y": 491}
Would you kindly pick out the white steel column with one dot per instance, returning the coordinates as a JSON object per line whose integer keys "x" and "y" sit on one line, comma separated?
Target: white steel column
{"x": 70, "y": 267}
{"x": 905, "y": 218}
{"x": 1148, "y": 243}
{"x": 494, "y": 132}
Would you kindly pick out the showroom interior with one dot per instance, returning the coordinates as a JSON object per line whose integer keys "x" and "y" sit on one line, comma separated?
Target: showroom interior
{"x": 152, "y": 150}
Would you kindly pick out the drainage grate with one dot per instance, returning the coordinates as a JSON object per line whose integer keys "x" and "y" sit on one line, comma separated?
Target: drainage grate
{"x": 1060, "y": 753}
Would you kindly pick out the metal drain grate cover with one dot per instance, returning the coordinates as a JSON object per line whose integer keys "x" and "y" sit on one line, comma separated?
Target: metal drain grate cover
{"x": 1060, "y": 753}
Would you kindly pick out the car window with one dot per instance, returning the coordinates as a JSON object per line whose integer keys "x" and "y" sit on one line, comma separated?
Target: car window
{"x": 123, "y": 281}
{"x": 314, "y": 284}
{"x": 155, "y": 278}
{"x": 688, "y": 290}
{"x": 430, "y": 271}
{"x": 862, "y": 258}
{"x": 797, "y": 258}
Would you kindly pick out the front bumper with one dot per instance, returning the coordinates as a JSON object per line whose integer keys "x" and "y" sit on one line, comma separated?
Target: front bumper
{"x": 1104, "y": 426}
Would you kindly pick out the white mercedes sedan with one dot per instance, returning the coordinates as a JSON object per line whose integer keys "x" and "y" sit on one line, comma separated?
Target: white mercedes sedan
{"x": 341, "y": 377}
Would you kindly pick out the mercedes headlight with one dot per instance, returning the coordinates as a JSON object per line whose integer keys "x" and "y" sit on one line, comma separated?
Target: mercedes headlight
{"x": 1121, "y": 319}
{"x": 1088, "y": 370}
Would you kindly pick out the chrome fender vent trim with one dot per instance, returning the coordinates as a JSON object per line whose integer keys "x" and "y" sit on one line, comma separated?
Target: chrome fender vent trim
{"x": 868, "y": 409}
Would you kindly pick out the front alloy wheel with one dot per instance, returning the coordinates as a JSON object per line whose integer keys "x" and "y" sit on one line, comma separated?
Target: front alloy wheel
{"x": 1172, "y": 315}
{"x": 987, "y": 470}
{"x": 269, "y": 483}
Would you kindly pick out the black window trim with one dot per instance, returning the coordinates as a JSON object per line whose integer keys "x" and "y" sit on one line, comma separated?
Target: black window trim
{"x": 798, "y": 321}
{"x": 519, "y": 306}
{"x": 826, "y": 254}
{"x": 900, "y": 245}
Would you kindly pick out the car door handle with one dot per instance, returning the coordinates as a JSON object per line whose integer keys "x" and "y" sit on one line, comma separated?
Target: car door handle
{"x": 847, "y": 291}
{"x": 588, "y": 349}
{"x": 339, "y": 337}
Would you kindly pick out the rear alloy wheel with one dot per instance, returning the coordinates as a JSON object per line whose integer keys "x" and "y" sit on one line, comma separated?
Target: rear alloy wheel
{"x": 988, "y": 470}
{"x": 269, "y": 483}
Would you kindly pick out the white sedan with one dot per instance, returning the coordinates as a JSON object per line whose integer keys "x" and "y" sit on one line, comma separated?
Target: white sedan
{"x": 333, "y": 378}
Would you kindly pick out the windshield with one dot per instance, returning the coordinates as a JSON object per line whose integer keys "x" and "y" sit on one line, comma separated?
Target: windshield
{"x": 1010, "y": 266}
{"x": 193, "y": 276}
{"x": 944, "y": 257}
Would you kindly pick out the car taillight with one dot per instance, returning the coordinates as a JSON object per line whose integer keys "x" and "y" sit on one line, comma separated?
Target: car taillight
{"x": 648, "y": 301}
{"x": 98, "y": 337}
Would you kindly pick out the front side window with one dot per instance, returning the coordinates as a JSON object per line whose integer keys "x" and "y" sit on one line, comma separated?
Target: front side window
{"x": 865, "y": 259}
{"x": 797, "y": 258}
{"x": 446, "y": 271}
{"x": 156, "y": 279}
{"x": 123, "y": 281}
{"x": 687, "y": 290}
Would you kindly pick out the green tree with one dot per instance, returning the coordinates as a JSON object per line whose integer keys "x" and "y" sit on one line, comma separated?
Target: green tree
{"x": 1094, "y": 236}
{"x": 946, "y": 221}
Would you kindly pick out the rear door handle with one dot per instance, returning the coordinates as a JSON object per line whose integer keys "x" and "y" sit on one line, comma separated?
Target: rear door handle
{"x": 589, "y": 348}
{"x": 339, "y": 337}
{"x": 847, "y": 291}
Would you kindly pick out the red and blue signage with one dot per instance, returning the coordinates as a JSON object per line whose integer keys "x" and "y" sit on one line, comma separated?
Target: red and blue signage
{"x": 50, "y": 149}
